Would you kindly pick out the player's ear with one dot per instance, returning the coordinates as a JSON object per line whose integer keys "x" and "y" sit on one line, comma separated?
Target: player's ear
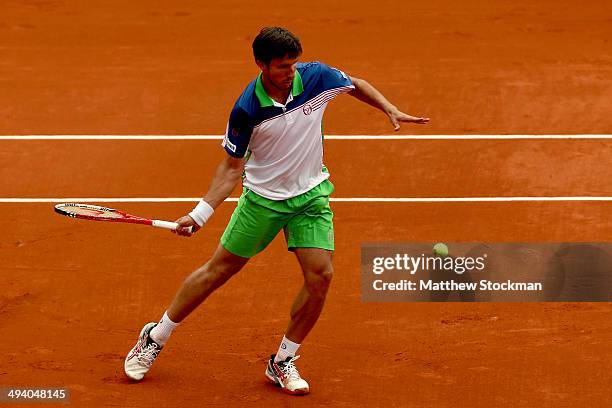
{"x": 262, "y": 65}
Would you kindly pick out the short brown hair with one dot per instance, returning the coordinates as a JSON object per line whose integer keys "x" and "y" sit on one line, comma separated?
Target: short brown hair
{"x": 275, "y": 42}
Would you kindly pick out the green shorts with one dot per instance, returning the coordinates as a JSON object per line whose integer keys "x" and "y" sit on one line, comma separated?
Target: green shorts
{"x": 307, "y": 221}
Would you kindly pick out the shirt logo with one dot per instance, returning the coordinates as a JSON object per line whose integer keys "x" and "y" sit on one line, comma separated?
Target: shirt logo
{"x": 229, "y": 144}
{"x": 307, "y": 109}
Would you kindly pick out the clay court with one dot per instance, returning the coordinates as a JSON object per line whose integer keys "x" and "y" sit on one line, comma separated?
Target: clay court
{"x": 74, "y": 294}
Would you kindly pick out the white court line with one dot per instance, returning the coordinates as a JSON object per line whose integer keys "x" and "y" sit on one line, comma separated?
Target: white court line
{"x": 333, "y": 199}
{"x": 330, "y": 137}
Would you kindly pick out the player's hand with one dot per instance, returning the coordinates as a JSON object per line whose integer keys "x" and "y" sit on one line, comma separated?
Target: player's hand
{"x": 184, "y": 224}
{"x": 396, "y": 117}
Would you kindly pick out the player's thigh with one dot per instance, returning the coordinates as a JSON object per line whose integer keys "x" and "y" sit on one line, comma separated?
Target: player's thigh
{"x": 226, "y": 262}
{"x": 252, "y": 227}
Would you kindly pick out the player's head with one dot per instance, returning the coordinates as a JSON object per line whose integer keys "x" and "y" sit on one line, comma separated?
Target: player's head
{"x": 275, "y": 43}
{"x": 276, "y": 51}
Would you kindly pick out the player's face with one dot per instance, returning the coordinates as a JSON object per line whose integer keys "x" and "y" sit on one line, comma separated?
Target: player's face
{"x": 280, "y": 72}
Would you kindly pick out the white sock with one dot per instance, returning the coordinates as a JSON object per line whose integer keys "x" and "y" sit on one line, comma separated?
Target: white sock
{"x": 161, "y": 333}
{"x": 286, "y": 349}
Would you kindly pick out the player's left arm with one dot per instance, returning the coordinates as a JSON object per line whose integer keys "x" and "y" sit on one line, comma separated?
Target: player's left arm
{"x": 372, "y": 96}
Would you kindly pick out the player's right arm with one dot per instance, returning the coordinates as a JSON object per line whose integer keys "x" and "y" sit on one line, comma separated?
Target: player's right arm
{"x": 228, "y": 174}
{"x": 226, "y": 178}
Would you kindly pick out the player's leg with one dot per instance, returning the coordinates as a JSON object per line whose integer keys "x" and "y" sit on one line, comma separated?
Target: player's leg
{"x": 251, "y": 228}
{"x": 203, "y": 281}
{"x": 317, "y": 268}
{"x": 310, "y": 235}
{"x": 195, "y": 289}
{"x": 318, "y": 271}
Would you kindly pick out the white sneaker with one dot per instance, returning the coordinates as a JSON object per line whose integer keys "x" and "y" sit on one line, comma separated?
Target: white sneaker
{"x": 285, "y": 374}
{"x": 142, "y": 355}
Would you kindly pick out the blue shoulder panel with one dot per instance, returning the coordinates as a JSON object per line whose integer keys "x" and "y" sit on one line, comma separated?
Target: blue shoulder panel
{"x": 241, "y": 122}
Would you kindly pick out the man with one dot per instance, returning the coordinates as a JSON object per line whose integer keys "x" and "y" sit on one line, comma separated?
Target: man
{"x": 274, "y": 144}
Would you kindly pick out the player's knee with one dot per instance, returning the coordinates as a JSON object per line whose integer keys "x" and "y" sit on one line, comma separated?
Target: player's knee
{"x": 318, "y": 279}
{"x": 211, "y": 275}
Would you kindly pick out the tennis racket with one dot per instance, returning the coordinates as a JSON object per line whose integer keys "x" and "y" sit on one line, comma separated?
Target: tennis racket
{"x": 97, "y": 213}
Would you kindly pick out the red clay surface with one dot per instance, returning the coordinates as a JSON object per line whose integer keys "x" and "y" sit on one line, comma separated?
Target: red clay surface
{"x": 75, "y": 294}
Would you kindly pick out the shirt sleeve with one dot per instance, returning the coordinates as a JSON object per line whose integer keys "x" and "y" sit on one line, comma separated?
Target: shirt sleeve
{"x": 238, "y": 133}
{"x": 332, "y": 78}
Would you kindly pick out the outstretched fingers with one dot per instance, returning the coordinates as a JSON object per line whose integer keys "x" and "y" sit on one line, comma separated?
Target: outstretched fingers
{"x": 398, "y": 118}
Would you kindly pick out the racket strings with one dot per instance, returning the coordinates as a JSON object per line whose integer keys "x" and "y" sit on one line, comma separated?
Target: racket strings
{"x": 91, "y": 212}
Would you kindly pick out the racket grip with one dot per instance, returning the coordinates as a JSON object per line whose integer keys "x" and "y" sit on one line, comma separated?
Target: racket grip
{"x": 166, "y": 224}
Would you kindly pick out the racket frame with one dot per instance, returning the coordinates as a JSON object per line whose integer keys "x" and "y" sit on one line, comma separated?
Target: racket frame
{"x": 124, "y": 217}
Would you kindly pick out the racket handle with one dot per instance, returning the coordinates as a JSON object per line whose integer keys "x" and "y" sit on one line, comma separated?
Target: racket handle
{"x": 166, "y": 224}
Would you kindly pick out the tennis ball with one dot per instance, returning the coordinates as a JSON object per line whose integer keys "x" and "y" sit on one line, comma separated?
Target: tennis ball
{"x": 440, "y": 250}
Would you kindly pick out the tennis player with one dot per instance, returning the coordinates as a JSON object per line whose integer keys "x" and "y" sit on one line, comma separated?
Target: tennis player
{"x": 274, "y": 144}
